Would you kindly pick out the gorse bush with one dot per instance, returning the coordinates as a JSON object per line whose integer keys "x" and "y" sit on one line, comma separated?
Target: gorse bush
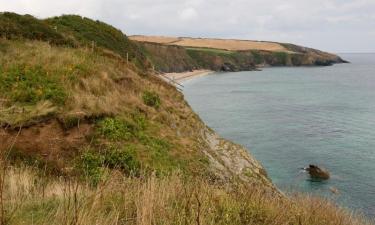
{"x": 152, "y": 99}
{"x": 30, "y": 84}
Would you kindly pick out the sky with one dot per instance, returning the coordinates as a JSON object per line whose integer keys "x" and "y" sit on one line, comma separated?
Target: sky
{"x": 338, "y": 26}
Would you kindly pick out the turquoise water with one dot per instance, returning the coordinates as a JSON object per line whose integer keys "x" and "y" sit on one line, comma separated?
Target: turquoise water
{"x": 292, "y": 117}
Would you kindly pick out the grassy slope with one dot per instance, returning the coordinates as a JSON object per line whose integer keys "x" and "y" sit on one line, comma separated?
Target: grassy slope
{"x": 88, "y": 32}
{"x": 76, "y": 87}
{"x": 90, "y": 117}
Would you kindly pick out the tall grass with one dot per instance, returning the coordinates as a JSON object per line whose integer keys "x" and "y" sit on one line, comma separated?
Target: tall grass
{"x": 32, "y": 198}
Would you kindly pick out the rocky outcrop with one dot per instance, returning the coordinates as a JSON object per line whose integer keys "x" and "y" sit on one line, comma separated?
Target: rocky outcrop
{"x": 317, "y": 172}
{"x": 229, "y": 160}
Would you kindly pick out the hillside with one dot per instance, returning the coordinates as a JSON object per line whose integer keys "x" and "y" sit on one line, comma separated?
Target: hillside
{"x": 225, "y": 44}
{"x": 228, "y": 54}
{"x": 90, "y": 137}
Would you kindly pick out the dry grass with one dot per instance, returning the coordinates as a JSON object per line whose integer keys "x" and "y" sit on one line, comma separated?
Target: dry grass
{"x": 25, "y": 115}
{"x": 31, "y": 198}
{"x": 226, "y": 44}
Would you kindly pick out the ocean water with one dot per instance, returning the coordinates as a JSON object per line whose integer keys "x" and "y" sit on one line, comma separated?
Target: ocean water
{"x": 292, "y": 117}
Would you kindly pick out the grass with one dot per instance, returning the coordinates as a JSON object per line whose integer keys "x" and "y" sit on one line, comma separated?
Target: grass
{"x": 32, "y": 198}
{"x": 147, "y": 146}
{"x": 71, "y": 31}
{"x": 24, "y": 84}
{"x": 77, "y": 87}
{"x": 18, "y": 116}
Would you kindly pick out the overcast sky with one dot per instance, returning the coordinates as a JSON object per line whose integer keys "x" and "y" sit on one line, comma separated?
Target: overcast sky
{"x": 332, "y": 25}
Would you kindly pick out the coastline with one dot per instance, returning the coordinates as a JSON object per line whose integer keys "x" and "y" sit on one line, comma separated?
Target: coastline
{"x": 184, "y": 76}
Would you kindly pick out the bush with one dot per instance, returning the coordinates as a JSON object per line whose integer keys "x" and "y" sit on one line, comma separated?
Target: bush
{"x": 86, "y": 31}
{"x": 93, "y": 164}
{"x": 123, "y": 159}
{"x": 90, "y": 163}
{"x": 152, "y": 99}
{"x": 13, "y": 26}
{"x": 116, "y": 129}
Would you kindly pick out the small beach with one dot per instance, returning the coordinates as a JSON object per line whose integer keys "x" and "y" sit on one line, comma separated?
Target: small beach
{"x": 184, "y": 76}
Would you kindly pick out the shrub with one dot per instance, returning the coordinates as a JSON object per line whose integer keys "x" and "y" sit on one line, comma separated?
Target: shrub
{"x": 93, "y": 163}
{"x": 90, "y": 163}
{"x": 86, "y": 31}
{"x": 152, "y": 99}
{"x": 123, "y": 159}
{"x": 13, "y": 26}
{"x": 116, "y": 129}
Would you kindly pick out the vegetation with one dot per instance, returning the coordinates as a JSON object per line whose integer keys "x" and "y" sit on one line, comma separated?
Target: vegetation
{"x": 211, "y": 50}
{"x": 73, "y": 31}
{"x": 24, "y": 84}
{"x": 14, "y": 26}
{"x": 281, "y": 58}
{"x": 32, "y": 198}
{"x": 168, "y": 58}
{"x": 116, "y": 129}
{"x": 104, "y": 144}
{"x": 88, "y": 32}
{"x": 151, "y": 99}
{"x": 258, "y": 58}
{"x": 93, "y": 164}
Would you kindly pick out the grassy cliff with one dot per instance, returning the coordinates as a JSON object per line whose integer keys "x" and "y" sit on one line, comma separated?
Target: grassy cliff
{"x": 88, "y": 137}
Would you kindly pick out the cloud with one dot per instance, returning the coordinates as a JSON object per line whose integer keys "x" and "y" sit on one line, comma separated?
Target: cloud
{"x": 188, "y": 14}
{"x": 318, "y": 23}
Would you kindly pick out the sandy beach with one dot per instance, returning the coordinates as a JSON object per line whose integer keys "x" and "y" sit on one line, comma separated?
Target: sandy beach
{"x": 184, "y": 76}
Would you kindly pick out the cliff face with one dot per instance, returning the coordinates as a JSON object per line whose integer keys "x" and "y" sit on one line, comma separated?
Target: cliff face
{"x": 79, "y": 109}
{"x": 228, "y": 55}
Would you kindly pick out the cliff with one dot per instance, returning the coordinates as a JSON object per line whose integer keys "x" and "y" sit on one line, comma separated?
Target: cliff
{"x": 68, "y": 93}
{"x": 89, "y": 135}
{"x": 228, "y": 55}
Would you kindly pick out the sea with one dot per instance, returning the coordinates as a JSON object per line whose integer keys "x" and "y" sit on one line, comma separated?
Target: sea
{"x": 290, "y": 117}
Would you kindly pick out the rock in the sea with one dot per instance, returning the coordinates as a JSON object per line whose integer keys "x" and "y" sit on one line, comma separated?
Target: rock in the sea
{"x": 334, "y": 190}
{"x": 317, "y": 173}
